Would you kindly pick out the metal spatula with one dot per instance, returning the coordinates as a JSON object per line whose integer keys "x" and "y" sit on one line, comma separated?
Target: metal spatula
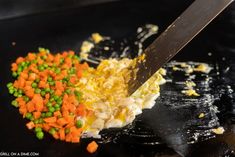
{"x": 175, "y": 37}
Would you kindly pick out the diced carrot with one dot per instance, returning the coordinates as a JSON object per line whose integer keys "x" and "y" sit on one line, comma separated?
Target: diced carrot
{"x": 30, "y": 125}
{"x": 32, "y": 76}
{"x": 46, "y": 127}
{"x": 34, "y": 69}
{"x": 50, "y": 57}
{"x": 59, "y": 85}
{"x": 55, "y": 125}
{"x": 58, "y": 92}
{"x": 71, "y": 52}
{"x": 38, "y": 101}
{"x": 81, "y": 110}
{"x": 57, "y": 59}
{"x": 29, "y": 92}
{"x": 30, "y": 106}
{"x": 23, "y": 110}
{"x": 62, "y": 134}
{"x": 40, "y": 61}
{"x": 79, "y": 73}
{"x": 31, "y": 56}
{"x": 50, "y": 119}
{"x": 92, "y": 147}
{"x": 36, "y": 114}
{"x": 42, "y": 84}
{"x": 69, "y": 118}
{"x": 73, "y": 79}
{"x": 56, "y": 135}
{"x": 61, "y": 121}
{"x": 75, "y": 131}
{"x": 64, "y": 54}
{"x": 75, "y": 139}
{"x": 21, "y": 82}
{"x": 68, "y": 61}
{"x": 14, "y": 66}
{"x": 19, "y": 60}
{"x": 85, "y": 66}
{"x": 57, "y": 113}
{"x": 16, "y": 84}
{"x": 47, "y": 96}
{"x": 24, "y": 75}
{"x": 89, "y": 113}
{"x": 38, "y": 125}
{"x": 68, "y": 138}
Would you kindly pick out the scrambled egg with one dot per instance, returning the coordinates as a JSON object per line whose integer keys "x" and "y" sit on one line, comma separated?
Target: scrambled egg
{"x": 105, "y": 91}
{"x": 190, "y": 92}
{"x": 96, "y": 37}
{"x": 182, "y": 66}
{"x": 219, "y": 130}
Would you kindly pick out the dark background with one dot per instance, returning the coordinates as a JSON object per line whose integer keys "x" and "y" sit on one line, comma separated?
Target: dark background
{"x": 225, "y": 24}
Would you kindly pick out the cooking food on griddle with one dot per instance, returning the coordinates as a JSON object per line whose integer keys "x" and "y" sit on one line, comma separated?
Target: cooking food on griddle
{"x": 68, "y": 99}
{"x": 63, "y": 95}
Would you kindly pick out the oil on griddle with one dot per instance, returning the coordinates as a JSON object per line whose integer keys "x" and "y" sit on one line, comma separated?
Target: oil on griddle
{"x": 192, "y": 118}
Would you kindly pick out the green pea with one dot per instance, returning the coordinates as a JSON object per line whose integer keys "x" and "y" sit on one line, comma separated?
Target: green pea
{"x": 20, "y": 68}
{"x": 20, "y": 91}
{"x": 56, "y": 97}
{"x": 23, "y": 63}
{"x": 19, "y": 95}
{"x": 36, "y": 121}
{"x": 40, "y": 49}
{"x": 57, "y": 70}
{"x": 59, "y": 101}
{"x": 57, "y": 108}
{"x": 41, "y": 67}
{"x": 61, "y": 60}
{"x": 67, "y": 130}
{"x": 52, "y": 131}
{"x": 52, "y": 91}
{"x": 47, "y": 90}
{"x": 68, "y": 91}
{"x": 40, "y": 120}
{"x": 38, "y": 129}
{"x": 49, "y": 104}
{"x": 34, "y": 61}
{"x": 52, "y": 83}
{"x": 40, "y": 135}
{"x": 26, "y": 98}
{"x": 70, "y": 56}
{"x": 32, "y": 118}
{"x": 44, "y": 57}
{"x": 49, "y": 79}
{"x": 51, "y": 109}
{"x": 37, "y": 90}
{"x": 14, "y": 74}
{"x": 43, "y": 93}
{"x": 15, "y": 94}
{"x": 43, "y": 114}
{"x": 9, "y": 84}
{"x": 49, "y": 114}
{"x": 78, "y": 123}
{"x": 37, "y": 80}
{"x": 51, "y": 99}
{"x": 28, "y": 115}
{"x": 34, "y": 85}
{"x": 11, "y": 91}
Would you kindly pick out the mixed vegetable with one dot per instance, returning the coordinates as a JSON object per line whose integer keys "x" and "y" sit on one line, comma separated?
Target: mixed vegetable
{"x": 45, "y": 94}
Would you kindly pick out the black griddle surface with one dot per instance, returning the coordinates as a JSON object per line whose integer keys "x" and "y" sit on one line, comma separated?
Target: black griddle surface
{"x": 66, "y": 30}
